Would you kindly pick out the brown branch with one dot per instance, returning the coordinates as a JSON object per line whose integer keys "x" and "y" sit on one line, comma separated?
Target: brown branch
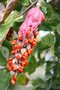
{"x": 28, "y": 8}
{"x": 9, "y": 8}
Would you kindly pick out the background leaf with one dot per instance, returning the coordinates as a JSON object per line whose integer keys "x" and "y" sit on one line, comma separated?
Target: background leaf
{"x": 4, "y": 28}
{"x": 32, "y": 64}
{"x": 3, "y": 60}
{"x": 4, "y": 80}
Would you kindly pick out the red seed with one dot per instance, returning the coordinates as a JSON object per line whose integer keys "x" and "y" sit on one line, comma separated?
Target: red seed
{"x": 34, "y": 44}
{"x": 23, "y": 63}
{"x": 13, "y": 48}
{"x": 30, "y": 40}
{"x": 13, "y": 82}
{"x": 30, "y": 51}
{"x": 26, "y": 41}
{"x": 35, "y": 40}
{"x": 26, "y": 63}
{"x": 9, "y": 62}
{"x": 25, "y": 54}
{"x": 18, "y": 56}
{"x": 13, "y": 52}
{"x": 44, "y": 19}
{"x": 13, "y": 42}
{"x": 21, "y": 70}
{"x": 36, "y": 33}
{"x": 19, "y": 46}
{"x": 18, "y": 50}
{"x": 20, "y": 37}
{"x": 28, "y": 32}
{"x": 21, "y": 67}
{"x": 14, "y": 67}
{"x": 9, "y": 68}
{"x": 10, "y": 59}
{"x": 14, "y": 77}
{"x": 16, "y": 46}
{"x": 24, "y": 57}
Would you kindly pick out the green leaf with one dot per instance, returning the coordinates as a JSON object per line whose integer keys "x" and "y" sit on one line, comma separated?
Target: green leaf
{"x": 58, "y": 28}
{"x": 48, "y": 40}
{"x": 49, "y": 10}
{"x": 17, "y": 23}
{"x": 44, "y": 9}
{"x": 2, "y": 0}
{"x": 57, "y": 44}
{"x": 4, "y": 28}
{"x": 23, "y": 80}
{"x": 4, "y": 80}
{"x": 32, "y": 64}
{"x": 46, "y": 26}
{"x": 7, "y": 45}
{"x": 3, "y": 60}
{"x": 56, "y": 84}
{"x": 39, "y": 82}
{"x": 25, "y": 2}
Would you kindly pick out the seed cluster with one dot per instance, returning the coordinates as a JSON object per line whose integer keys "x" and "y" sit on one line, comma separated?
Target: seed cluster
{"x": 21, "y": 50}
{"x": 24, "y": 45}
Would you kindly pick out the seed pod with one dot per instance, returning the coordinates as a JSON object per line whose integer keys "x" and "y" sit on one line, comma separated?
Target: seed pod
{"x": 25, "y": 43}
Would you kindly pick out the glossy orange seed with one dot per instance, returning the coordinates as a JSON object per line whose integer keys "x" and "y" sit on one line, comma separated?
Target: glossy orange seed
{"x": 21, "y": 70}
{"x": 30, "y": 40}
{"x": 13, "y": 52}
{"x": 14, "y": 77}
{"x": 13, "y": 42}
{"x": 9, "y": 68}
{"x": 26, "y": 41}
{"x": 13, "y": 82}
{"x": 34, "y": 44}
{"x": 17, "y": 56}
{"x": 20, "y": 37}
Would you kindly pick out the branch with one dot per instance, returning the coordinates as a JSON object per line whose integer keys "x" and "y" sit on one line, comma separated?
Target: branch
{"x": 28, "y": 8}
{"x": 10, "y": 6}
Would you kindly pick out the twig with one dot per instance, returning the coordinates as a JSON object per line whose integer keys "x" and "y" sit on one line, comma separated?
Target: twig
{"x": 10, "y": 6}
{"x": 8, "y": 10}
{"x": 28, "y": 8}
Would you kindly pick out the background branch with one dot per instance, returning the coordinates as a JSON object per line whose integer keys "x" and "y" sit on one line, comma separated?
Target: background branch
{"x": 28, "y": 8}
{"x": 10, "y": 6}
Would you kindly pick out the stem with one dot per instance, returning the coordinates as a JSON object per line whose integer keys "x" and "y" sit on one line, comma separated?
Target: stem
{"x": 28, "y": 8}
{"x": 8, "y": 10}
{"x": 10, "y": 6}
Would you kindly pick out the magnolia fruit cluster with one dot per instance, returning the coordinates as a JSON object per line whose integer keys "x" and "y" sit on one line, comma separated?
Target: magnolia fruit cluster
{"x": 24, "y": 45}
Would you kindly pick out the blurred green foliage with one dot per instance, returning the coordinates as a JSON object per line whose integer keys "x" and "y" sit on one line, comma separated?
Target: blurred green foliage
{"x": 52, "y": 24}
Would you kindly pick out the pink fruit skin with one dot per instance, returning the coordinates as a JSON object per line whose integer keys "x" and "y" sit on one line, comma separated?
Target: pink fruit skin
{"x": 33, "y": 19}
